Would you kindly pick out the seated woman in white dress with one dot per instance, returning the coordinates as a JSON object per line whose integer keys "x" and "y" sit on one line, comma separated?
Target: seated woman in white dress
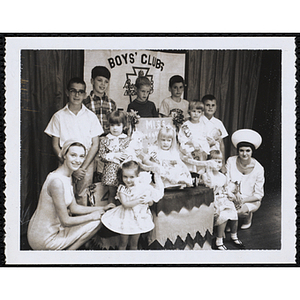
{"x": 247, "y": 172}
{"x": 60, "y": 223}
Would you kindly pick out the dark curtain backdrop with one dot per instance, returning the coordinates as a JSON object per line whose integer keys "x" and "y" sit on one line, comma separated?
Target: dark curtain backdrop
{"x": 247, "y": 85}
{"x": 267, "y": 118}
{"x": 44, "y": 76}
{"x": 232, "y": 76}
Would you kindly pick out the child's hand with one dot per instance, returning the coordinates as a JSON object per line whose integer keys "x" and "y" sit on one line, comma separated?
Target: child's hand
{"x": 210, "y": 141}
{"x": 79, "y": 174}
{"x": 138, "y": 153}
{"x": 146, "y": 200}
{"x": 123, "y": 156}
{"x": 109, "y": 206}
{"x": 212, "y": 164}
{"x": 96, "y": 215}
{"x": 120, "y": 156}
{"x": 156, "y": 170}
{"x": 231, "y": 196}
{"x": 196, "y": 145}
{"x": 143, "y": 199}
{"x": 239, "y": 198}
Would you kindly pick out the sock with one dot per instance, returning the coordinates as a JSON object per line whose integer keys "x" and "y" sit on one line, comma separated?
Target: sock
{"x": 234, "y": 236}
{"x": 219, "y": 241}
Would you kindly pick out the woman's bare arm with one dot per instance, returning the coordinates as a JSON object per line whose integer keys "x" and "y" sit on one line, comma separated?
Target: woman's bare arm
{"x": 56, "y": 192}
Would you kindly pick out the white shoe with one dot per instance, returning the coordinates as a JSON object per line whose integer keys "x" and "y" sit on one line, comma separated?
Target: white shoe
{"x": 249, "y": 223}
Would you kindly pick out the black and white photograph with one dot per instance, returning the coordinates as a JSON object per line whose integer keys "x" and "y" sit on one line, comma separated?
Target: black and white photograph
{"x": 150, "y": 150}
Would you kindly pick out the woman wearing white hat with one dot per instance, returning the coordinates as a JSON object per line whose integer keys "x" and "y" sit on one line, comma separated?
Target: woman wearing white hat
{"x": 247, "y": 172}
{"x": 59, "y": 222}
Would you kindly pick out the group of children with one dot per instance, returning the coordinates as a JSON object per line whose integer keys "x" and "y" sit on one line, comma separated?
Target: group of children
{"x": 173, "y": 159}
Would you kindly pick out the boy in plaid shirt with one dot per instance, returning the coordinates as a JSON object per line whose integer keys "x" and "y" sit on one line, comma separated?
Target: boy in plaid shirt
{"x": 98, "y": 101}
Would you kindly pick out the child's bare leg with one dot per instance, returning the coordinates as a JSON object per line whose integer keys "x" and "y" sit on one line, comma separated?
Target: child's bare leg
{"x": 236, "y": 241}
{"x": 123, "y": 242}
{"x": 133, "y": 241}
{"x": 233, "y": 224}
{"x": 221, "y": 230}
{"x": 220, "y": 234}
{"x": 112, "y": 190}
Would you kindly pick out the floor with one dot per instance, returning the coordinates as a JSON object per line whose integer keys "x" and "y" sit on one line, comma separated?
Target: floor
{"x": 265, "y": 232}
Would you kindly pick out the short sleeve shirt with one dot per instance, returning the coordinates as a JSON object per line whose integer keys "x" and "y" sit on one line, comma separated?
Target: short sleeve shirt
{"x": 101, "y": 107}
{"x": 168, "y": 104}
{"x": 65, "y": 125}
{"x": 212, "y": 124}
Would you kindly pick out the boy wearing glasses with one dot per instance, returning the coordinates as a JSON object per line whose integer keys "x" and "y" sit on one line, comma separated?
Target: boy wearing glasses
{"x": 75, "y": 121}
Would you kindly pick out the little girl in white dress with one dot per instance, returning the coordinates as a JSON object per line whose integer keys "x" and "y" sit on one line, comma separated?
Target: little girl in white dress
{"x": 165, "y": 156}
{"x": 224, "y": 199}
{"x": 135, "y": 193}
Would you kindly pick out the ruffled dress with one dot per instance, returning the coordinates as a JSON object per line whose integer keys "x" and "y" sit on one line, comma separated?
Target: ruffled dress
{"x": 134, "y": 220}
{"x": 109, "y": 145}
{"x": 173, "y": 171}
{"x": 224, "y": 209}
{"x": 191, "y": 134}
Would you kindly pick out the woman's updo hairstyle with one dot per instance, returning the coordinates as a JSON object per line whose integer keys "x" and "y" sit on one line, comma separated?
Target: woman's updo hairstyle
{"x": 66, "y": 146}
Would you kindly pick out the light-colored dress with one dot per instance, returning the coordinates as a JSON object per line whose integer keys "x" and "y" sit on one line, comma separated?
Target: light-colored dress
{"x": 45, "y": 231}
{"x": 251, "y": 184}
{"x": 172, "y": 169}
{"x": 134, "y": 220}
{"x": 224, "y": 208}
{"x": 191, "y": 136}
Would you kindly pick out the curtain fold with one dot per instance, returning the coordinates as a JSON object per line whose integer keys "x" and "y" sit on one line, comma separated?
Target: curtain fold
{"x": 232, "y": 76}
{"x": 44, "y": 75}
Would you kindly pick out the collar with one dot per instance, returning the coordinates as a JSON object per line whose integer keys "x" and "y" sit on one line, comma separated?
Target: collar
{"x": 111, "y": 137}
{"x": 82, "y": 110}
{"x": 206, "y": 120}
{"x": 95, "y": 97}
{"x": 141, "y": 102}
{"x": 175, "y": 100}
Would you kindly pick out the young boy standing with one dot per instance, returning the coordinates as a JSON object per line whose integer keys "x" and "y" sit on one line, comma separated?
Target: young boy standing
{"x": 193, "y": 143}
{"x": 98, "y": 101}
{"x": 174, "y": 102}
{"x": 211, "y": 123}
{"x": 141, "y": 104}
{"x": 75, "y": 121}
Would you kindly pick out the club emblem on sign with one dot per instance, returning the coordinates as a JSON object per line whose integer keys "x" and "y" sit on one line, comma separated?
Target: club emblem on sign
{"x": 131, "y": 78}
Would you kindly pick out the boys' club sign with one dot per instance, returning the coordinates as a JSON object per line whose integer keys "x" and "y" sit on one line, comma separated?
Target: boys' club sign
{"x": 125, "y": 67}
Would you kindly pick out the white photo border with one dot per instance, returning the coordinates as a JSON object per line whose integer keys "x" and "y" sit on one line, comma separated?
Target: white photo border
{"x": 15, "y": 256}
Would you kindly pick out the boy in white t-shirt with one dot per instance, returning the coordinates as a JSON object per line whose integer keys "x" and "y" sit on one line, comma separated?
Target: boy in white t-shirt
{"x": 214, "y": 129}
{"x": 75, "y": 121}
{"x": 174, "y": 103}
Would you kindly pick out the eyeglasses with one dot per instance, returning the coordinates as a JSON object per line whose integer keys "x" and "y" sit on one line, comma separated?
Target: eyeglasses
{"x": 75, "y": 92}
